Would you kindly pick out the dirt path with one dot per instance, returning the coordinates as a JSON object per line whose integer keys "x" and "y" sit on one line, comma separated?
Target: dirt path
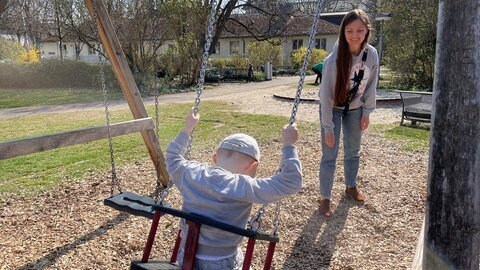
{"x": 252, "y": 98}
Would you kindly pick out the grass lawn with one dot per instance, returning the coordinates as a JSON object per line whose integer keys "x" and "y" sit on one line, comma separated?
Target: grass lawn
{"x": 42, "y": 170}
{"x": 411, "y": 137}
{"x": 12, "y": 98}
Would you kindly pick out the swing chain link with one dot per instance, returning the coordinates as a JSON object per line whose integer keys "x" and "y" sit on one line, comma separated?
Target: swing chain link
{"x": 115, "y": 180}
{"x": 276, "y": 219}
{"x": 165, "y": 192}
{"x": 203, "y": 67}
{"x": 301, "y": 81}
{"x": 255, "y": 222}
{"x": 158, "y": 186}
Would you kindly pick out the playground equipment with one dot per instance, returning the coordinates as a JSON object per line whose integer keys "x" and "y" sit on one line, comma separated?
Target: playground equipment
{"x": 145, "y": 206}
{"x": 154, "y": 209}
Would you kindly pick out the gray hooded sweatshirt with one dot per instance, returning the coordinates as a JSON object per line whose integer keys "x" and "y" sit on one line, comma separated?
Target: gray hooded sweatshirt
{"x": 219, "y": 194}
{"x": 365, "y": 97}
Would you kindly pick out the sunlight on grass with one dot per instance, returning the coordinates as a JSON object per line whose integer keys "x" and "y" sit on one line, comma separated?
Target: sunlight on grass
{"x": 45, "y": 170}
{"x": 13, "y": 98}
{"x": 411, "y": 138}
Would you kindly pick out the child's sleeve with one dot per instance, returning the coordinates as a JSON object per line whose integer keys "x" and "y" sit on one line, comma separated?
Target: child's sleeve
{"x": 175, "y": 162}
{"x": 369, "y": 100}
{"x": 327, "y": 95}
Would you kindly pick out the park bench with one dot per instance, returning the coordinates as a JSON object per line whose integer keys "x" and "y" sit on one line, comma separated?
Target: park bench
{"x": 213, "y": 76}
{"x": 284, "y": 71}
{"x": 416, "y": 106}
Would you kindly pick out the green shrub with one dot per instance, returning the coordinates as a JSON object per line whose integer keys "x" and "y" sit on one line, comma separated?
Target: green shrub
{"x": 258, "y": 76}
{"x": 235, "y": 61}
{"x": 218, "y": 62}
{"x": 54, "y": 74}
{"x": 238, "y": 61}
{"x": 260, "y": 52}
{"x": 10, "y": 51}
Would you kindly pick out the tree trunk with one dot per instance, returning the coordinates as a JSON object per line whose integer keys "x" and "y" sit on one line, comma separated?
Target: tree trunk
{"x": 452, "y": 232}
{"x": 3, "y": 6}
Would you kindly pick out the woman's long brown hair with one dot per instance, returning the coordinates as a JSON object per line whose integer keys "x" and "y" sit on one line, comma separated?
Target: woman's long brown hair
{"x": 344, "y": 57}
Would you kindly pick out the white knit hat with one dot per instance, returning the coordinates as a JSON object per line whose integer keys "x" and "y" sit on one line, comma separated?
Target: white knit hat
{"x": 242, "y": 143}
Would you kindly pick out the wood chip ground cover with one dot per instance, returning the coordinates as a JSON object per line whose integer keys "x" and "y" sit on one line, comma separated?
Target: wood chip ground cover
{"x": 70, "y": 228}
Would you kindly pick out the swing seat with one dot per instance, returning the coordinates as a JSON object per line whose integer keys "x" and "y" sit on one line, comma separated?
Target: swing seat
{"x": 195, "y": 221}
{"x": 203, "y": 220}
{"x": 153, "y": 265}
{"x": 132, "y": 203}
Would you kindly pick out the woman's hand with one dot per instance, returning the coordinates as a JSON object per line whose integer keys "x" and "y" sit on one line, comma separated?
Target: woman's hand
{"x": 364, "y": 123}
{"x": 330, "y": 139}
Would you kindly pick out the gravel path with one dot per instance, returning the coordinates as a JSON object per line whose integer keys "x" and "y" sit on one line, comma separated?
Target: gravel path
{"x": 252, "y": 98}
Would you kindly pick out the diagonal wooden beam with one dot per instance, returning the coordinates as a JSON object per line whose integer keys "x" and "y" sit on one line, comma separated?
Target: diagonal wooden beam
{"x": 127, "y": 83}
{"x": 15, "y": 148}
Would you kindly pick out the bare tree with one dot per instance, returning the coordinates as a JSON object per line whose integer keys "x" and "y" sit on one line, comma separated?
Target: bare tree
{"x": 57, "y": 28}
{"x": 3, "y": 6}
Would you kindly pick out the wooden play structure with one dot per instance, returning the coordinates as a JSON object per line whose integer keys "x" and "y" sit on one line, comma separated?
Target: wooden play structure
{"x": 142, "y": 123}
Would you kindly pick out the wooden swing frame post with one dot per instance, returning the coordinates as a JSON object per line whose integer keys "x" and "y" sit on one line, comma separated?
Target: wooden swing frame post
{"x": 127, "y": 83}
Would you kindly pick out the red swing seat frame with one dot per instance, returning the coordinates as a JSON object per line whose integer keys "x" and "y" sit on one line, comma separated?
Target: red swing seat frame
{"x": 195, "y": 222}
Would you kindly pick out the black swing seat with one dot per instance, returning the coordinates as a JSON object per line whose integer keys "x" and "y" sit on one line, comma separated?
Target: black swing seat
{"x": 203, "y": 220}
{"x": 197, "y": 220}
{"x": 132, "y": 203}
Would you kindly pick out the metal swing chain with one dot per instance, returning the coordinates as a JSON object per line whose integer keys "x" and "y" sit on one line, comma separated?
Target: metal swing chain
{"x": 157, "y": 194}
{"x": 301, "y": 81}
{"x": 255, "y": 222}
{"x": 115, "y": 180}
{"x": 201, "y": 76}
{"x": 160, "y": 193}
{"x": 201, "y": 81}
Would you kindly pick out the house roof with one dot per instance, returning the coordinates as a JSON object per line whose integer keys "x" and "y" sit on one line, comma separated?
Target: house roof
{"x": 261, "y": 25}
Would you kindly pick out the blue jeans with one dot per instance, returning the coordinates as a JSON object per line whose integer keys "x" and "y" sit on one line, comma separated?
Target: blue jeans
{"x": 352, "y": 136}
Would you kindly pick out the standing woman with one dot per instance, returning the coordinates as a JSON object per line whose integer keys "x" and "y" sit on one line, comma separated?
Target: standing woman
{"x": 347, "y": 97}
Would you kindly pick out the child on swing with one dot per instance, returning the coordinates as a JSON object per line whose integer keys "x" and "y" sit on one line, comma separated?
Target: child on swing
{"x": 227, "y": 190}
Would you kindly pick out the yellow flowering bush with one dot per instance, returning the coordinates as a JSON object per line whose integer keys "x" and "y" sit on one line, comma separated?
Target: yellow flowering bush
{"x": 29, "y": 56}
{"x": 316, "y": 56}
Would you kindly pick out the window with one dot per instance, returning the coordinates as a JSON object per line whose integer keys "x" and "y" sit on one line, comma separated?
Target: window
{"x": 297, "y": 43}
{"x": 321, "y": 43}
{"x": 234, "y": 47}
{"x": 217, "y": 48}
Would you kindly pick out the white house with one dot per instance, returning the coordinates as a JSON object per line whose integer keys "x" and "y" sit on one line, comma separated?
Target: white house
{"x": 50, "y": 49}
{"x": 293, "y": 35}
